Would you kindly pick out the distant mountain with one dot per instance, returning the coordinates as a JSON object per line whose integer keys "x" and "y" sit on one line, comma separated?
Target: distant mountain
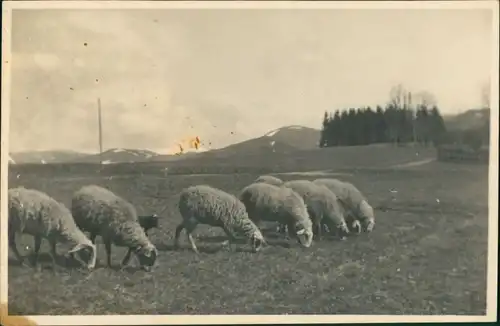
{"x": 299, "y": 137}
{"x": 44, "y": 157}
{"x": 118, "y": 155}
{"x": 281, "y": 140}
{"x": 471, "y": 119}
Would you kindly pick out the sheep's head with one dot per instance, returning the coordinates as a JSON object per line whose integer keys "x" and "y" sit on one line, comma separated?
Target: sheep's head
{"x": 369, "y": 225}
{"x": 85, "y": 253}
{"x": 355, "y": 227}
{"x": 367, "y": 216}
{"x": 257, "y": 240}
{"x": 343, "y": 230}
{"x": 304, "y": 235}
{"x": 147, "y": 256}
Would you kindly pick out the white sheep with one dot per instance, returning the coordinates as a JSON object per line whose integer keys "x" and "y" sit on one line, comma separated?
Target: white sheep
{"x": 322, "y": 205}
{"x": 203, "y": 204}
{"x": 36, "y": 213}
{"x": 358, "y": 212}
{"x": 265, "y": 202}
{"x": 101, "y": 212}
{"x": 269, "y": 179}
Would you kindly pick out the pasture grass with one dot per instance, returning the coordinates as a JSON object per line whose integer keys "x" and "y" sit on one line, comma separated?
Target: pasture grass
{"x": 426, "y": 255}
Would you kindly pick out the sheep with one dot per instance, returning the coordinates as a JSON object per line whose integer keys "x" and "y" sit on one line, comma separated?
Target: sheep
{"x": 203, "y": 204}
{"x": 272, "y": 203}
{"x": 322, "y": 205}
{"x": 101, "y": 212}
{"x": 269, "y": 179}
{"x": 36, "y": 213}
{"x": 361, "y": 214}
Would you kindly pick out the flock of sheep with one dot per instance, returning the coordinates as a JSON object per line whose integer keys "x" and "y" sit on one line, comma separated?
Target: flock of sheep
{"x": 303, "y": 209}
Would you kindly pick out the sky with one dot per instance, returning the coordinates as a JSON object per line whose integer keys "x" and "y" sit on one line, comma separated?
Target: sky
{"x": 228, "y": 75}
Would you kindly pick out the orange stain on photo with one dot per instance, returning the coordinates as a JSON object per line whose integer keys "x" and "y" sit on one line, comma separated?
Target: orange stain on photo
{"x": 188, "y": 144}
{"x": 7, "y": 320}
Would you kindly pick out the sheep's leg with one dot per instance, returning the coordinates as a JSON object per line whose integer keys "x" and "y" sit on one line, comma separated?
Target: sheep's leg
{"x": 53, "y": 253}
{"x": 126, "y": 259}
{"x": 38, "y": 243}
{"x": 107, "y": 246}
{"x": 191, "y": 241}
{"x": 227, "y": 243}
{"x": 13, "y": 247}
{"x": 189, "y": 232}
{"x": 178, "y": 231}
{"x": 290, "y": 232}
{"x": 318, "y": 230}
{"x": 93, "y": 235}
{"x": 282, "y": 228}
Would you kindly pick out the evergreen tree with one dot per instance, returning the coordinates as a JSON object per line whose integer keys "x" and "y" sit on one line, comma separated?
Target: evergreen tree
{"x": 436, "y": 126}
{"x": 391, "y": 119}
{"x": 423, "y": 125}
{"x": 324, "y": 134}
{"x": 343, "y": 129}
{"x": 336, "y": 129}
{"x": 351, "y": 127}
{"x": 380, "y": 126}
{"x": 370, "y": 125}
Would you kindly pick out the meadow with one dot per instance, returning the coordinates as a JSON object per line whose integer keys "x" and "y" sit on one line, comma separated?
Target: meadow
{"x": 426, "y": 255}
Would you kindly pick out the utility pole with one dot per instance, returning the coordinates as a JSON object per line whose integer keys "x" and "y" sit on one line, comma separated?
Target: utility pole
{"x": 413, "y": 120}
{"x": 100, "y": 128}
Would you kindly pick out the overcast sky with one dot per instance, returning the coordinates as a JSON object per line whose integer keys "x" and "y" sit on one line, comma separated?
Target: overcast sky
{"x": 226, "y": 76}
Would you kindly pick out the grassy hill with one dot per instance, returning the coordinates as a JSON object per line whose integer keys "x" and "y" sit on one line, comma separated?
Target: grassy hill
{"x": 471, "y": 119}
{"x": 119, "y": 155}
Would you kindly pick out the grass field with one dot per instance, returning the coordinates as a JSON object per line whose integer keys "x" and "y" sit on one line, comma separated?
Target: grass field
{"x": 427, "y": 254}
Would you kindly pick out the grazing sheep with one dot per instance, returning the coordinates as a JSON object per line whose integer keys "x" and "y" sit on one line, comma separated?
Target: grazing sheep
{"x": 354, "y": 203}
{"x": 101, "y": 212}
{"x": 271, "y": 203}
{"x": 36, "y": 213}
{"x": 269, "y": 179}
{"x": 147, "y": 222}
{"x": 323, "y": 206}
{"x": 203, "y": 204}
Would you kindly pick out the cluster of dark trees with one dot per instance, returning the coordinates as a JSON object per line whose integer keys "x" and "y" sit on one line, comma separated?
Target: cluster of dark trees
{"x": 407, "y": 118}
{"x": 392, "y": 124}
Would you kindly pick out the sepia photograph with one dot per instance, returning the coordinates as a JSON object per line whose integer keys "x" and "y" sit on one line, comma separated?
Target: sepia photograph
{"x": 249, "y": 162}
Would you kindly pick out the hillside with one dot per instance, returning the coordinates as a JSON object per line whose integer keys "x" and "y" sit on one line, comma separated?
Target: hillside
{"x": 282, "y": 140}
{"x": 119, "y": 155}
{"x": 297, "y": 136}
{"x": 44, "y": 157}
{"x": 471, "y": 119}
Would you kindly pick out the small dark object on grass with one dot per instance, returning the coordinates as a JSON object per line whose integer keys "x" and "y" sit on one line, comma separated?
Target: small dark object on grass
{"x": 148, "y": 222}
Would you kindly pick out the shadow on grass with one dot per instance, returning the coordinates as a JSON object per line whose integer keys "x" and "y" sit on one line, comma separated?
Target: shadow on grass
{"x": 240, "y": 245}
{"x": 45, "y": 261}
{"x": 187, "y": 248}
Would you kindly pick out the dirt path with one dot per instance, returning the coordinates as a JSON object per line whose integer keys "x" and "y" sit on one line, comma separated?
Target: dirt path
{"x": 414, "y": 163}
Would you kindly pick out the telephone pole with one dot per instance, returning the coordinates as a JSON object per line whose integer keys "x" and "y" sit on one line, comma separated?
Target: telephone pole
{"x": 413, "y": 120}
{"x": 100, "y": 128}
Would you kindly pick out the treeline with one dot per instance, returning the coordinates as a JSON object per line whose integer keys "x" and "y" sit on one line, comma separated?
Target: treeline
{"x": 392, "y": 124}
